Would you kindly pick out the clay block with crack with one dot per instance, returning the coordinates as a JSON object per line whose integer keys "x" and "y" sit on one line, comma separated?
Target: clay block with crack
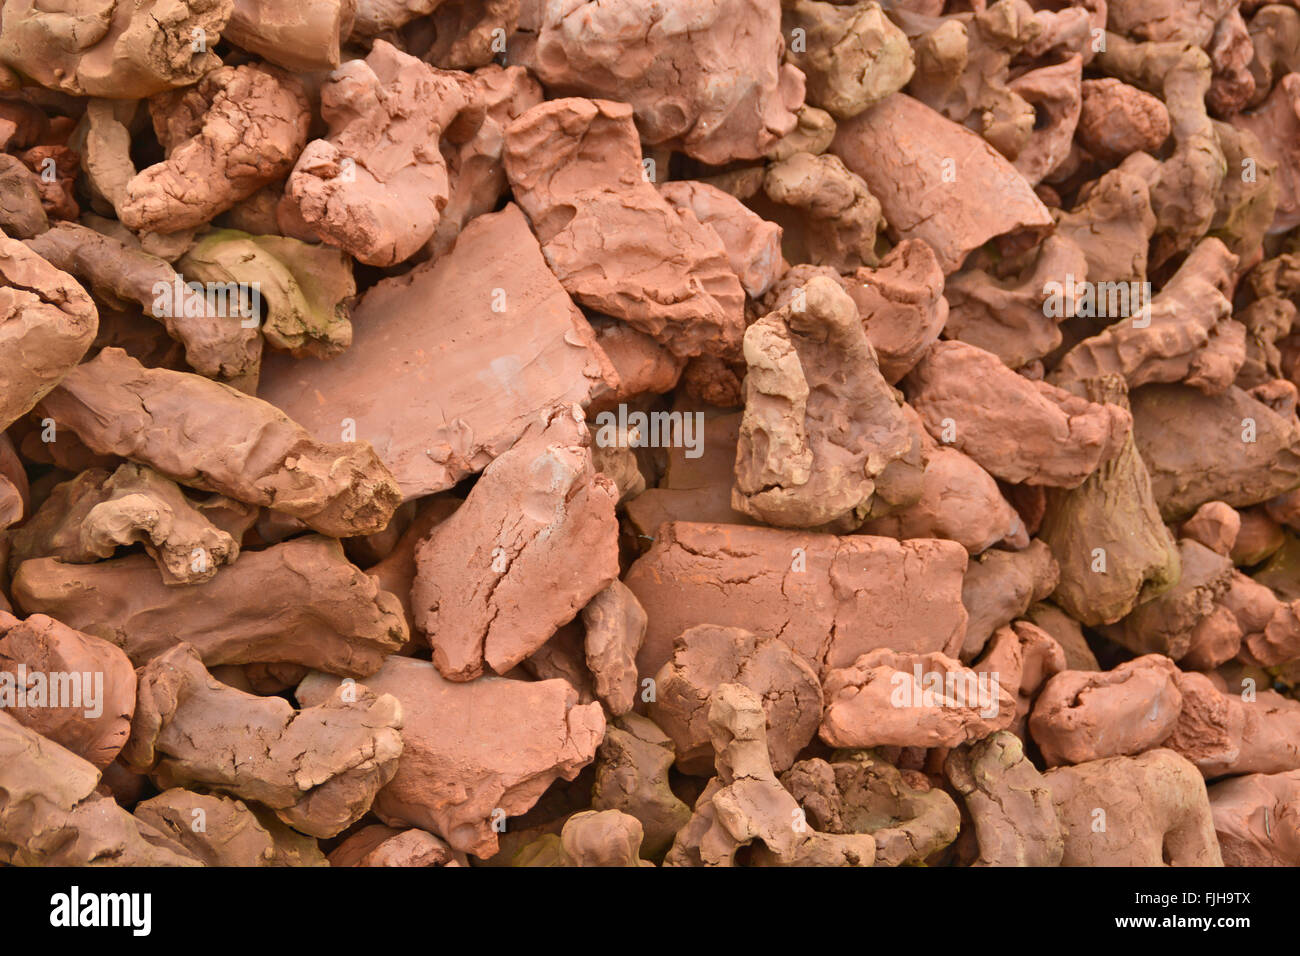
{"x": 1086, "y": 715}
{"x": 1164, "y": 623}
{"x": 575, "y": 168}
{"x": 801, "y": 461}
{"x": 999, "y": 586}
{"x": 77, "y": 690}
{"x": 53, "y": 816}
{"x": 703, "y": 79}
{"x": 377, "y": 185}
{"x": 474, "y": 753}
{"x": 753, "y": 244}
{"x": 632, "y": 776}
{"x": 313, "y": 608}
{"x": 209, "y": 436}
{"x": 1106, "y": 535}
{"x": 860, "y": 792}
{"x": 318, "y": 768}
{"x": 892, "y": 699}
{"x": 122, "y": 50}
{"x": 745, "y": 802}
{"x": 1016, "y": 429}
{"x": 936, "y": 180}
{"x": 378, "y": 845}
{"x": 47, "y": 321}
{"x": 607, "y": 838}
{"x": 1009, "y": 800}
{"x": 850, "y": 55}
{"x": 439, "y": 400}
{"x": 615, "y": 624}
{"x": 301, "y": 288}
{"x": 495, "y": 580}
{"x": 1237, "y": 447}
{"x": 93, "y": 515}
{"x": 1235, "y": 733}
{"x": 223, "y": 831}
{"x": 1256, "y": 820}
{"x": 838, "y": 214}
{"x": 831, "y": 599}
{"x": 704, "y": 658}
{"x": 1154, "y": 809}
{"x": 217, "y": 346}
{"x": 240, "y": 128}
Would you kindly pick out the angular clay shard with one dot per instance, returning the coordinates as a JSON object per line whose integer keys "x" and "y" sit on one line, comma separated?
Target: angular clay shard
{"x": 1185, "y": 333}
{"x": 820, "y": 423}
{"x": 641, "y": 364}
{"x": 302, "y": 288}
{"x": 1164, "y": 623}
{"x": 753, "y": 244}
{"x": 607, "y": 838}
{"x": 216, "y": 346}
{"x": 378, "y": 845}
{"x": 704, "y": 79}
{"x": 575, "y": 168}
{"x": 21, "y": 213}
{"x": 704, "y": 658}
{"x": 1216, "y": 524}
{"x": 470, "y": 33}
{"x": 1106, "y": 535}
{"x": 377, "y": 185}
{"x": 209, "y": 436}
{"x": 439, "y": 400}
{"x": 1086, "y": 715}
{"x": 86, "y": 686}
{"x": 53, "y": 816}
{"x": 474, "y": 753}
{"x": 1236, "y": 447}
{"x": 122, "y": 51}
{"x": 896, "y": 699}
{"x": 1149, "y": 810}
{"x": 300, "y": 35}
{"x": 231, "y": 834}
{"x": 533, "y": 543}
{"x": 632, "y": 776}
{"x": 745, "y": 802}
{"x": 831, "y": 599}
{"x": 313, "y": 608}
{"x": 851, "y": 55}
{"x": 839, "y": 215}
{"x": 93, "y": 515}
{"x": 1015, "y": 820}
{"x": 615, "y": 624}
{"x": 999, "y": 586}
{"x": 318, "y": 768}
{"x": 1230, "y": 733}
{"x": 46, "y": 324}
{"x": 240, "y": 128}
{"x": 1016, "y": 429}
{"x": 1022, "y": 657}
{"x": 937, "y": 180}
{"x": 1112, "y": 223}
{"x": 1255, "y": 819}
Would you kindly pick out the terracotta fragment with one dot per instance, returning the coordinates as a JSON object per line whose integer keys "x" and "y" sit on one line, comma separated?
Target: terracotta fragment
{"x": 223, "y": 831}
{"x": 379, "y": 845}
{"x": 1235, "y": 733}
{"x": 1118, "y": 119}
{"x": 632, "y": 776}
{"x": 838, "y": 214}
{"x": 318, "y": 768}
{"x": 615, "y": 624}
{"x": 474, "y": 753}
{"x": 753, "y": 244}
{"x": 1255, "y": 819}
{"x": 608, "y": 838}
{"x": 999, "y": 586}
{"x": 315, "y": 608}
